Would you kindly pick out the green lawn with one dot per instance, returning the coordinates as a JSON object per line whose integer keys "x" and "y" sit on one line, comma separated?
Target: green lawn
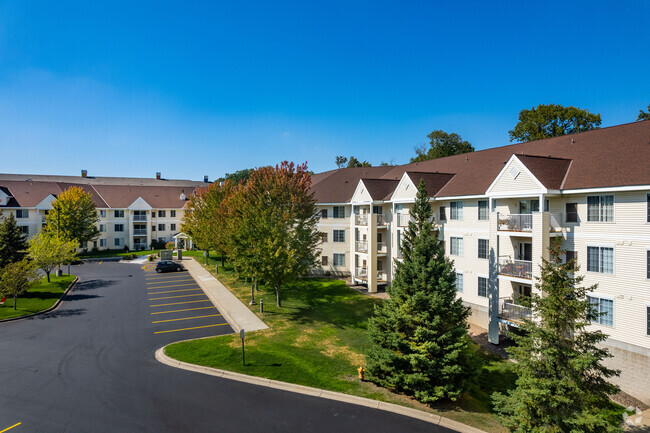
{"x": 40, "y": 297}
{"x": 318, "y": 338}
{"x": 114, "y": 253}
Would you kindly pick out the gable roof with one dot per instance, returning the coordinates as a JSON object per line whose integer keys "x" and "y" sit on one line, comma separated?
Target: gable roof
{"x": 549, "y": 171}
{"x": 340, "y": 184}
{"x": 380, "y": 189}
{"x": 433, "y": 182}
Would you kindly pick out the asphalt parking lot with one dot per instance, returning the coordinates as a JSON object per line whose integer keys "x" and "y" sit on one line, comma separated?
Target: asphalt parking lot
{"x": 178, "y": 305}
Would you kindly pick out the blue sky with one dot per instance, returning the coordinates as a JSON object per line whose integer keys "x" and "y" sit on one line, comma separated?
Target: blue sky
{"x": 188, "y": 88}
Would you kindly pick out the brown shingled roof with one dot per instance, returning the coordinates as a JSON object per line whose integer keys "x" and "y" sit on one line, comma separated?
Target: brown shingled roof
{"x": 432, "y": 181}
{"x": 339, "y": 186}
{"x": 97, "y": 199}
{"x": 29, "y": 194}
{"x": 380, "y": 189}
{"x": 549, "y": 171}
{"x": 159, "y": 197}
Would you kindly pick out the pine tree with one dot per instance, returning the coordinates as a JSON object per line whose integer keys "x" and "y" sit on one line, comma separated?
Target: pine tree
{"x": 420, "y": 333}
{"x": 561, "y": 385}
{"x": 13, "y": 245}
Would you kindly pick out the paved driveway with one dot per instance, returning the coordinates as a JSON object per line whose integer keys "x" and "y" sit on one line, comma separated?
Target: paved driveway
{"x": 89, "y": 367}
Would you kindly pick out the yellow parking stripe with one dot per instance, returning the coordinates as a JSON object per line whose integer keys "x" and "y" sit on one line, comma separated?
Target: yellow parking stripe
{"x": 171, "y": 281}
{"x": 186, "y": 318}
{"x": 187, "y": 329}
{"x": 173, "y": 285}
{"x": 9, "y": 428}
{"x": 173, "y": 275}
{"x": 178, "y": 311}
{"x": 174, "y": 291}
{"x": 175, "y": 303}
{"x": 172, "y": 297}
{"x": 100, "y": 262}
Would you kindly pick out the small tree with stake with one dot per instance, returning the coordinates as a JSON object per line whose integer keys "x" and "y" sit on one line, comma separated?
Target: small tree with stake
{"x": 562, "y": 385}
{"x": 17, "y": 278}
{"x": 49, "y": 250}
{"x": 420, "y": 333}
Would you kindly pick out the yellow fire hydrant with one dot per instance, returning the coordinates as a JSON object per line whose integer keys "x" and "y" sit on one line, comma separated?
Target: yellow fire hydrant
{"x": 361, "y": 371}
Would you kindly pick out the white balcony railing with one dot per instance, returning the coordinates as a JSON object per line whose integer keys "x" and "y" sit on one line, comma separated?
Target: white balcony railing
{"x": 381, "y": 247}
{"x": 516, "y": 268}
{"x": 361, "y": 246}
{"x": 381, "y": 276}
{"x": 381, "y": 220}
{"x": 361, "y": 219}
{"x": 403, "y": 219}
{"x": 139, "y": 232}
{"x": 516, "y": 222}
{"x": 511, "y": 311}
{"x": 361, "y": 273}
{"x": 139, "y": 217}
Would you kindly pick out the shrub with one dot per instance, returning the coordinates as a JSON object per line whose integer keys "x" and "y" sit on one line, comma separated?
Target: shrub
{"x": 169, "y": 245}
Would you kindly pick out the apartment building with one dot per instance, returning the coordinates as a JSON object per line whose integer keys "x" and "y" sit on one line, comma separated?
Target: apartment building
{"x": 132, "y": 211}
{"x": 497, "y": 211}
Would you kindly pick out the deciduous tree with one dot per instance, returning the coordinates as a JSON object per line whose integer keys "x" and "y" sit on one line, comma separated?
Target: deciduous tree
{"x": 16, "y": 278}
{"x": 562, "y": 384}
{"x": 442, "y": 144}
{"x": 354, "y": 162}
{"x": 420, "y": 333}
{"x": 12, "y": 241}
{"x": 644, "y": 115}
{"x": 48, "y": 250}
{"x": 552, "y": 120}
{"x": 74, "y": 215}
{"x": 341, "y": 161}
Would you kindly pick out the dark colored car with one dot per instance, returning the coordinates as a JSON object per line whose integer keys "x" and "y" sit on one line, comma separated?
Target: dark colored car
{"x": 168, "y": 265}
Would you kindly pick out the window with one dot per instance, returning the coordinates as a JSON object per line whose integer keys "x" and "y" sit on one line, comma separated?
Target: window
{"x": 161, "y": 214}
{"x": 323, "y": 260}
{"x": 459, "y": 282}
{"x": 600, "y": 208}
{"x": 153, "y": 227}
{"x": 102, "y": 228}
{"x": 323, "y": 237}
{"x": 482, "y": 210}
{"x": 377, "y": 209}
{"x": 456, "y": 248}
{"x": 323, "y": 214}
{"x": 172, "y": 213}
{"x": 102, "y": 242}
{"x": 22, "y": 213}
{"x": 339, "y": 259}
{"x": 161, "y": 227}
{"x": 571, "y": 255}
{"x": 24, "y": 229}
{"x": 338, "y": 236}
{"x": 119, "y": 228}
{"x": 118, "y": 213}
{"x": 456, "y": 210}
{"x": 443, "y": 213}
{"x": 600, "y": 259}
{"x": 602, "y": 310}
{"x": 483, "y": 247}
{"x": 172, "y": 227}
{"x": 119, "y": 242}
{"x": 648, "y": 210}
{"x": 648, "y": 314}
{"x": 572, "y": 212}
{"x": 648, "y": 264}
{"x": 338, "y": 212}
{"x": 482, "y": 287}
{"x": 102, "y": 213}
{"x": 162, "y": 239}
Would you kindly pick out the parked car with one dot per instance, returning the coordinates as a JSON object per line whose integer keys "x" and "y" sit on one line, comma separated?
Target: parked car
{"x": 168, "y": 265}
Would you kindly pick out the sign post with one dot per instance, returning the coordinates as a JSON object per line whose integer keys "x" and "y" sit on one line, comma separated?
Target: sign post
{"x": 242, "y": 334}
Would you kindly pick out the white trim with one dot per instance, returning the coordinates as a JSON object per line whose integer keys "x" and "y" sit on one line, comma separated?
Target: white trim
{"x": 601, "y": 296}
{"x": 401, "y": 181}
{"x": 600, "y": 222}
{"x": 460, "y": 197}
{"x": 606, "y": 189}
{"x": 344, "y": 203}
{"x": 527, "y": 193}
{"x": 524, "y": 169}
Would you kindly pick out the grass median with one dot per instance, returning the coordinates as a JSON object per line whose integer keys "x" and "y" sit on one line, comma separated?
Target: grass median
{"x": 318, "y": 338}
{"x": 41, "y": 296}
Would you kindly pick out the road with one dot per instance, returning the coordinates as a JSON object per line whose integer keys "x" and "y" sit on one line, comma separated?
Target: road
{"x": 89, "y": 367}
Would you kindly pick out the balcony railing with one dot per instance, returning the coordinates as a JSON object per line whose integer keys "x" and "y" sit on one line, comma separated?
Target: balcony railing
{"x": 361, "y": 246}
{"x": 516, "y": 222}
{"x": 403, "y": 219}
{"x": 139, "y": 217}
{"x": 398, "y": 253}
{"x": 361, "y": 273}
{"x": 511, "y": 311}
{"x": 381, "y": 276}
{"x": 139, "y": 232}
{"x": 381, "y": 247}
{"x": 381, "y": 220}
{"x": 361, "y": 219}
{"x": 516, "y": 268}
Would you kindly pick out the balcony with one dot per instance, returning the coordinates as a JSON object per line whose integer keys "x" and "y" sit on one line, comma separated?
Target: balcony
{"x": 403, "y": 219}
{"x": 516, "y": 223}
{"x": 398, "y": 253}
{"x": 139, "y": 232}
{"x": 361, "y": 246}
{"x": 361, "y": 273}
{"x": 139, "y": 218}
{"x": 381, "y": 220}
{"x": 516, "y": 268}
{"x": 382, "y": 248}
{"x": 555, "y": 222}
{"x": 361, "y": 219}
{"x": 381, "y": 275}
{"x": 512, "y": 312}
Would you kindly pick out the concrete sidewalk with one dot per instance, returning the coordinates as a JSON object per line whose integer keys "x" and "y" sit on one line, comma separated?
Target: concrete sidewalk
{"x": 238, "y": 315}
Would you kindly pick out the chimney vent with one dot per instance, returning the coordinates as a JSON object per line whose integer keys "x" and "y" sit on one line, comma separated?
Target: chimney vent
{"x": 183, "y": 195}
{"x": 158, "y": 175}
{"x": 84, "y": 173}
{"x": 205, "y": 179}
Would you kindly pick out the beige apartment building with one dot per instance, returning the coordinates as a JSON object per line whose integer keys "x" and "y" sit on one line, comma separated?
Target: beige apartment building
{"x": 132, "y": 211}
{"x": 497, "y": 211}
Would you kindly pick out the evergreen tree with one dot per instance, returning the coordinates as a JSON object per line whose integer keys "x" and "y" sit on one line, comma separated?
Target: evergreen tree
{"x": 562, "y": 384}
{"x": 420, "y": 333}
{"x": 13, "y": 245}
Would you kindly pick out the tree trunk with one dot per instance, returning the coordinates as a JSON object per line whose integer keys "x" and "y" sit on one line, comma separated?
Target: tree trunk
{"x": 223, "y": 259}
{"x": 278, "y": 300}
{"x": 15, "y": 300}
{"x": 48, "y": 276}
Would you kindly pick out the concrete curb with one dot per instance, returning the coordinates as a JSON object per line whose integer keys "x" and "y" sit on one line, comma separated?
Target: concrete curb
{"x": 316, "y": 392}
{"x": 52, "y": 308}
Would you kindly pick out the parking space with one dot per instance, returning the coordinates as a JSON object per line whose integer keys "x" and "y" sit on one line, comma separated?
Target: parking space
{"x": 178, "y": 305}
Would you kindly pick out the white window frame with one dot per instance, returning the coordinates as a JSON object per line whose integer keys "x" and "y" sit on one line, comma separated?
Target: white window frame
{"x": 102, "y": 228}
{"x": 487, "y": 286}
{"x": 600, "y": 208}
{"x": 600, "y": 247}
{"x": 118, "y": 213}
{"x": 459, "y": 246}
{"x": 459, "y": 206}
{"x": 460, "y": 288}
{"x": 118, "y": 242}
{"x": 161, "y": 227}
{"x": 172, "y": 213}
{"x": 172, "y": 227}
{"x": 334, "y": 257}
{"x": 336, "y": 238}
{"x": 487, "y": 210}
{"x": 24, "y": 230}
{"x": 647, "y": 259}
{"x": 601, "y": 296}
{"x": 121, "y": 228}
{"x": 336, "y": 213}
{"x": 22, "y": 213}
{"x": 162, "y": 214}
{"x": 102, "y": 213}
{"x": 102, "y": 242}
{"x": 478, "y": 249}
